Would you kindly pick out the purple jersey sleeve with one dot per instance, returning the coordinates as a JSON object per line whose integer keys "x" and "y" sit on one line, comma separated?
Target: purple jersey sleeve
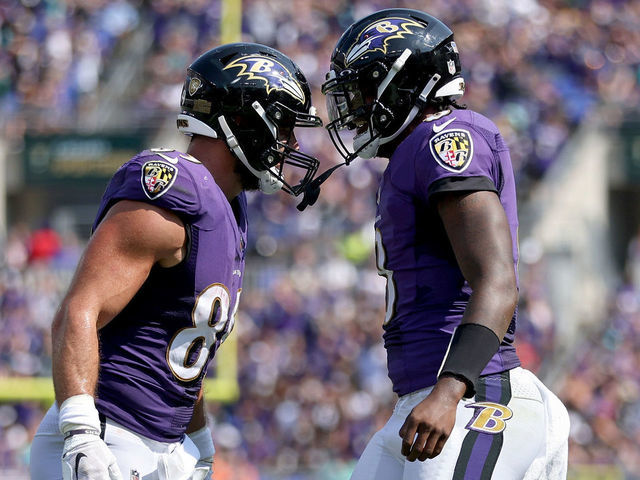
{"x": 457, "y": 155}
{"x": 157, "y": 178}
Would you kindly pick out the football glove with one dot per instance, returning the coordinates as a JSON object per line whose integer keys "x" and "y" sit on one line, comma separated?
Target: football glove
{"x": 203, "y": 470}
{"x": 204, "y": 467}
{"x": 85, "y": 456}
{"x": 179, "y": 463}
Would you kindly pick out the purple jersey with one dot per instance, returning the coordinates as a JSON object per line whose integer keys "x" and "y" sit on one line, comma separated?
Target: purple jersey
{"x": 154, "y": 354}
{"x": 426, "y": 291}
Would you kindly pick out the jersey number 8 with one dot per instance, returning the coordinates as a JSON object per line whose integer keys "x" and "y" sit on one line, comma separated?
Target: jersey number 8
{"x": 211, "y": 322}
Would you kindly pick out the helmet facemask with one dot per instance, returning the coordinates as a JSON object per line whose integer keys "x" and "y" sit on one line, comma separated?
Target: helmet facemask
{"x": 349, "y": 108}
{"x": 269, "y": 149}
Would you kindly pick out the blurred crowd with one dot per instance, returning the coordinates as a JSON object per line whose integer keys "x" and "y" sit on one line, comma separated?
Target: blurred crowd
{"x": 312, "y": 368}
{"x": 536, "y": 67}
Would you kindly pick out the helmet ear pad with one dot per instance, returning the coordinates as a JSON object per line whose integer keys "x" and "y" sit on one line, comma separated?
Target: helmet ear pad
{"x": 381, "y": 118}
{"x": 253, "y": 136}
{"x": 396, "y": 101}
{"x": 402, "y": 93}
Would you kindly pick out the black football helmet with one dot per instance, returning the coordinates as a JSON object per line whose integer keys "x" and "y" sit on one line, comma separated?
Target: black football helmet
{"x": 385, "y": 69}
{"x": 252, "y": 96}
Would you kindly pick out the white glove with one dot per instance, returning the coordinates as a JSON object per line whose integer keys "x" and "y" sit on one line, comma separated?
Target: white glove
{"x": 204, "y": 467}
{"x": 85, "y": 456}
{"x": 179, "y": 463}
{"x": 203, "y": 470}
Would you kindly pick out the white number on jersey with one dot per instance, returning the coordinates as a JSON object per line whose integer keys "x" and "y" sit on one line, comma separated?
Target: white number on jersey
{"x": 211, "y": 320}
{"x": 381, "y": 263}
{"x": 161, "y": 152}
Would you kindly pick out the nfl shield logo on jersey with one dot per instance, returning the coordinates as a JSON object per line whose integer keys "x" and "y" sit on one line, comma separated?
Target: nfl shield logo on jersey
{"x": 157, "y": 178}
{"x": 452, "y": 149}
{"x": 134, "y": 475}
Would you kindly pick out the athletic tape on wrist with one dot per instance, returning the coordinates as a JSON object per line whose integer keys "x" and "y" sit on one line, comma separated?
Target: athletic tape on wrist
{"x": 472, "y": 346}
{"x": 78, "y": 412}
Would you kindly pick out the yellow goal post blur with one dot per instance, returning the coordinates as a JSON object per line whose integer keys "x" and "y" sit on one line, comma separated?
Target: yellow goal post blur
{"x": 223, "y": 385}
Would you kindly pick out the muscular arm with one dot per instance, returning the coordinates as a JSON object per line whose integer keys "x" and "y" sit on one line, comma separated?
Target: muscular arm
{"x": 478, "y": 230}
{"x": 129, "y": 241}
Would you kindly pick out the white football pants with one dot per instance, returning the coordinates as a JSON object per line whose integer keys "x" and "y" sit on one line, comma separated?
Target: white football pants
{"x": 139, "y": 458}
{"x": 514, "y": 428}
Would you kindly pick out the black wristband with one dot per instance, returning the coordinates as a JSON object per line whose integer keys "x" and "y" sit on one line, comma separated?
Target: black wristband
{"x": 472, "y": 346}
{"x": 80, "y": 431}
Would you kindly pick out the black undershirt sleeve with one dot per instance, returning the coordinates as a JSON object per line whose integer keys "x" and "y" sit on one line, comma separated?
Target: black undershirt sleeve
{"x": 462, "y": 184}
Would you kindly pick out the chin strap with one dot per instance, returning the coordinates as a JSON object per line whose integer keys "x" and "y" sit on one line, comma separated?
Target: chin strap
{"x": 312, "y": 191}
{"x": 268, "y": 182}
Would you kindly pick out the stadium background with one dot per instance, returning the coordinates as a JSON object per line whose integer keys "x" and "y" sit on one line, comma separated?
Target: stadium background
{"x": 84, "y": 84}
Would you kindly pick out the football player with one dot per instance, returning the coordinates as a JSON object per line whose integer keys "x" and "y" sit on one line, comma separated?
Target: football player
{"x": 158, "y": 287}
{"x": 446, "y": 241}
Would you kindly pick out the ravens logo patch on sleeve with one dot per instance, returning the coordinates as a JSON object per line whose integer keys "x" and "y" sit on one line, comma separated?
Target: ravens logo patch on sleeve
{"x": 157, "y": 177}
{"x": 452, "y": 149}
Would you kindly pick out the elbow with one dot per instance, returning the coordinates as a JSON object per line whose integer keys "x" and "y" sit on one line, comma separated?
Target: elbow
{"x": 506, "y": 290}
{"x": 59, "y": 323}
{"x": 497, "y": 292}
{"x": 513, "y": 296}
{"x": 70, "y": 319}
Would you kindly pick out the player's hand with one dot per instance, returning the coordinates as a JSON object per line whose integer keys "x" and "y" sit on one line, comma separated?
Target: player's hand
{"x": 203, "y": 470}
{"x": 86, "y": 457}
{"x": 428, "y": 426}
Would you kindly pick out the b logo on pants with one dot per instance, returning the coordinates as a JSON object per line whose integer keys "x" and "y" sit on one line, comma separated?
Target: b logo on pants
{"x": 489, "y": 417}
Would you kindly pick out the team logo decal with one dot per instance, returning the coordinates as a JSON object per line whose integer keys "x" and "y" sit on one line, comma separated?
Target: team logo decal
{"x": 377, "y": 35}
{"x": 157, "y": 178}
{"x": 489, "y": 417}
{"x": 452, "y": 149}
{"x": 194, "y": 85}
{"x": 274, "y": 75}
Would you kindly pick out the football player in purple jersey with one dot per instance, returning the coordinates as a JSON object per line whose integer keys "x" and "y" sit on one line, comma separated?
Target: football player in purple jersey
{"x": 158, "y": 287}
{"x": 446, "y": 241}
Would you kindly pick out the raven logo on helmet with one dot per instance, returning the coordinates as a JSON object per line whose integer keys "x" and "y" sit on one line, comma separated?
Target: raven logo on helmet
{"x": 271, "y": 72}
{"x": 377, "y": 35}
